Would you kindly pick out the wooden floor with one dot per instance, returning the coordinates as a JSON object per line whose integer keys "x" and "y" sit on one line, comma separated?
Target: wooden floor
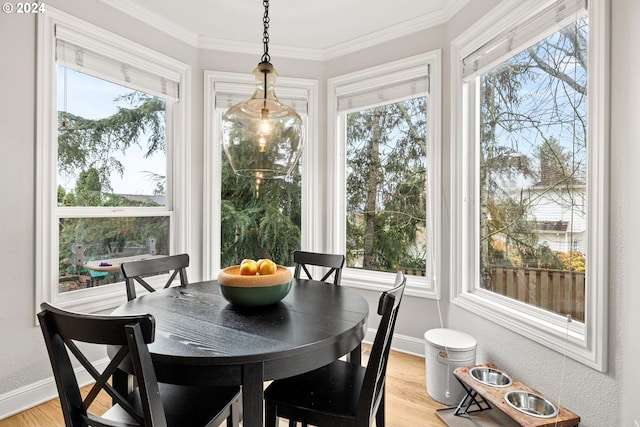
{"x": 408, "y": 404}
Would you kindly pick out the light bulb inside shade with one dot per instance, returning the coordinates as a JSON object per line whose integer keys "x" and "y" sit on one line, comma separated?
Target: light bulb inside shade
{"x": 261, "y": 134}
{"x": 265, "y": 127}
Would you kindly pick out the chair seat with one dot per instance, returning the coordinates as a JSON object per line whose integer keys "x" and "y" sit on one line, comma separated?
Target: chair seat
{"x": 332, "y": 390}
{"x": 184, "y": 405}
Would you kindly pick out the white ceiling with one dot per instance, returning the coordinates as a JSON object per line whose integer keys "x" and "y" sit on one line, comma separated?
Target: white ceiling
{"x": 299, "y": 28}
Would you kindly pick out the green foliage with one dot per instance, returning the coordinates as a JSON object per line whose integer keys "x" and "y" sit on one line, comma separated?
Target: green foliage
{"x": 572, "y": 261}
{"x": 386, "y": 186}
{"x": 86, "y": 143}
{"x": 555, "y": 164}
{"x": 89, "y": 188}
{"x": 259, "y": 225}
{"x": 110, "y": 237}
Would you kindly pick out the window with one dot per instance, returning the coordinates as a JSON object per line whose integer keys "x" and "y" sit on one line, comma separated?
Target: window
{"x": 386, "y": 155}
{"x": 110, "y": 143}
{"x": 529, "y": 202}
{"x": 248, "y": 219}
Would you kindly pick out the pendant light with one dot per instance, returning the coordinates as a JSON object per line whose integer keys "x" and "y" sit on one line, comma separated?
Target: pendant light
{"x": 262, "y": 137}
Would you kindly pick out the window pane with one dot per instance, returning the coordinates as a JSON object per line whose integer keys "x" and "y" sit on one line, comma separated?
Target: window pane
{"x": 386, "y": 187}
{"x": 111, "y": 143}
{"x": 259, "y": 220}
{"x": 533, "y": 166}
{"x": 90, "y": 239}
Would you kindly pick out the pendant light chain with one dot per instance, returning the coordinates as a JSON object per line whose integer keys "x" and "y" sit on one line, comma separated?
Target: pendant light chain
{"x": 265, "y": 34}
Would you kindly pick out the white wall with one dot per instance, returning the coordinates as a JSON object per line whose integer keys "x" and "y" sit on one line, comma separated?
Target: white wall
{"x": 625, "y": 206}
{"x": 22, "y": 358}
{"x": 601, "y": 399}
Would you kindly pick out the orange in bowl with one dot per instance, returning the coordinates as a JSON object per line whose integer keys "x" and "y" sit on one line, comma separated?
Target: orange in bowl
{"x": 254, "y": 290}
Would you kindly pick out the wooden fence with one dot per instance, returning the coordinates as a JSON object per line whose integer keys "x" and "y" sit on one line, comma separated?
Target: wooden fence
{"x": 558, "y": 291}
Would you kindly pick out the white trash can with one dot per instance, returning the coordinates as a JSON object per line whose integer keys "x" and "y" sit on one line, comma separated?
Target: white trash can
{"x": 446, "y": 350}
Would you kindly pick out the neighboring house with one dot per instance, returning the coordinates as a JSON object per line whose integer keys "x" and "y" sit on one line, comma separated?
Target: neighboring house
{"x": 557, "y": 202}
{"x": 559, "y": 216}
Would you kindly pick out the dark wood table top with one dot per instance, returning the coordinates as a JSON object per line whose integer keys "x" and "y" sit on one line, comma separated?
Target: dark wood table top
{"x": 203, "y": 339}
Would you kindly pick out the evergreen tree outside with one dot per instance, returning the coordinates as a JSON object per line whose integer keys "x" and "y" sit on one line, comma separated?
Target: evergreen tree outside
{"x": 386, "y": 186}
{"x": 264, "y": 224}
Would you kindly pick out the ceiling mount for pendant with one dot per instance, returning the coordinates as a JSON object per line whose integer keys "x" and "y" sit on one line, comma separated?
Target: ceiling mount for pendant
{"x": 262, "y": 137}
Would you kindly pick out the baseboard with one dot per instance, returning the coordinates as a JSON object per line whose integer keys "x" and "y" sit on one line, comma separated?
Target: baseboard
{"x": 401, "y": 343}
{"x": 34, "y": 394}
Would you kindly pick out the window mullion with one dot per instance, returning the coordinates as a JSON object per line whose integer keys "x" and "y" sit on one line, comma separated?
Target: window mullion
{"x": 111, "y": 212}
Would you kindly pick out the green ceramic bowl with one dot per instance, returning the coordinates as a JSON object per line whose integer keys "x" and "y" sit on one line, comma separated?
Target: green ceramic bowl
{"x": 255, "y": 297}
{"x": 254, "y": 291}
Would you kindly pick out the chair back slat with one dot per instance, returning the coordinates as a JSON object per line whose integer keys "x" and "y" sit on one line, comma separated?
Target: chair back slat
{"x": 374, "y": 379}
{"x": 134, "y": 272}
{"x": 333, "y": 262}
{"x": 143, "y": 368}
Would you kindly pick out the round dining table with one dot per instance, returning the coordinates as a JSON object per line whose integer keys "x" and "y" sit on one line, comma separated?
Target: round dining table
{"x": 201, "y": 339}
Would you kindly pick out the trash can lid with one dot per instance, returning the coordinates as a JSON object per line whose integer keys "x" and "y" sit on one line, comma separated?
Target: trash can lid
{"x": 450, "y": 339}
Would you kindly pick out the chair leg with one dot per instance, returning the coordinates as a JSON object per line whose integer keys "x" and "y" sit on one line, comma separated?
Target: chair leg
{"x": 380, "y": 413}
{"x": 233, "y": 420}
{"x": 271, "y": 418}
{"x": 122, "y": 382}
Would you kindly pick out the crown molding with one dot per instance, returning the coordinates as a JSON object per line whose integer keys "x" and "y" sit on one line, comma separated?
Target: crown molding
{"x": 209, "y": 43}
{"x": 280, "y": 51}
{"x": 335, "y": 51}
{"x": 154, "y": 20}
{"x": 385, "y": 35}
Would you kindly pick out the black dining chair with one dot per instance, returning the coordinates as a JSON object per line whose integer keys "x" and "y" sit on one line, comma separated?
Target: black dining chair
{"x": 333, "y": 262}
{"x": 340, "y": 394}
{"x": 150, "y": 404}
{"x": 134, "y": 271}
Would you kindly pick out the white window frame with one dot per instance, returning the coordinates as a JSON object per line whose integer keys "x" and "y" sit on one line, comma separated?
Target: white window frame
{"x": 311, "y": 204}
{"x": 371, "y": 79}
{"x": 178, "y": 151}
{"x": 584, "y": 342}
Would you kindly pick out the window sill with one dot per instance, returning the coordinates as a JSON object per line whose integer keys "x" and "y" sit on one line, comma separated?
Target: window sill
{"x": 417, "y": 286}
{"x": 105, "y": 297}
{"x": 92, "y": 300}
{"x": 551, "y": 330}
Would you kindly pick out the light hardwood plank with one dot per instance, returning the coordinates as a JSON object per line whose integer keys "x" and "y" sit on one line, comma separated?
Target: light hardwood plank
{"x": 49, "y": 414}
{"x": 407, "y": 401}
{"x": 408, "y": 404}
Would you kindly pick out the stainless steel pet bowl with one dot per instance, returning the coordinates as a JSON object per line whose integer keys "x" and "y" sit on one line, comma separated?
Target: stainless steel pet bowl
{"x": 531, "y": 404}
{"x": 490, "y": 376}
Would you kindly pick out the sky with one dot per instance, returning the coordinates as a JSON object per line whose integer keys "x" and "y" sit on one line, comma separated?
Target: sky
{"x": 93, "y": 98}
